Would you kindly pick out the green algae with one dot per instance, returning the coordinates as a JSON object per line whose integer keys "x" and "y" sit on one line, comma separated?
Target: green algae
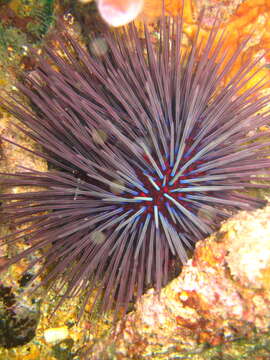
{"x": 22, "y": 25}
{"x": 255, "y": 347}
{"x": 13, "y": 39}
{"x": 43, "y": 15}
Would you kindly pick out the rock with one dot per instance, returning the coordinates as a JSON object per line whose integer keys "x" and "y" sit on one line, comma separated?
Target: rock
{"x": 221, "y": 294}
{"x": 55, "y": 335}
{"x": 249, "y": 254}
{"x": 18, "y": 318}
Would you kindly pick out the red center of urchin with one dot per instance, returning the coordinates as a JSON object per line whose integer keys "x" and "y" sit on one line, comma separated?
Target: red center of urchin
{"x": 162, "y": 193}
{"x": 157, "y": 188}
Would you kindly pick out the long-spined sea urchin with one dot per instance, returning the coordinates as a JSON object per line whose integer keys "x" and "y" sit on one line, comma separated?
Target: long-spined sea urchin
{"x": 150, "y": 151}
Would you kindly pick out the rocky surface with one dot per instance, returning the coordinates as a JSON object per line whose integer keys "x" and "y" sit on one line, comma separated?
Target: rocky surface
{"x": 221, "y": 295}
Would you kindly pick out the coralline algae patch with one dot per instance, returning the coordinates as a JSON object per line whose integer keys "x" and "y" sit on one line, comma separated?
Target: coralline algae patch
{"x": 245, "y": 19}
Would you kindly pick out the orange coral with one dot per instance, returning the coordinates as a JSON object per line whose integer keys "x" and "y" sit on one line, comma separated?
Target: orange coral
{"x": 251, "y": 18}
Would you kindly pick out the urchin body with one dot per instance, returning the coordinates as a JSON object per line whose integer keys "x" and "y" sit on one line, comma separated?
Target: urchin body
{"x": 150, "y": 151}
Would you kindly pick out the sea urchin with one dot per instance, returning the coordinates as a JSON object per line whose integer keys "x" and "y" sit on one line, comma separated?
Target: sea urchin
{"x": 149, "y": 151}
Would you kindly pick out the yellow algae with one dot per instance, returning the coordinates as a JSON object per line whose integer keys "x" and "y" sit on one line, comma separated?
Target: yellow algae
{"x": 15, "y": 5}
{"x": 265, "y": 277}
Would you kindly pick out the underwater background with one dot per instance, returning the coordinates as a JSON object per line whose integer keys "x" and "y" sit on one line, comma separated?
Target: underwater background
{"x": 230, "y": 319}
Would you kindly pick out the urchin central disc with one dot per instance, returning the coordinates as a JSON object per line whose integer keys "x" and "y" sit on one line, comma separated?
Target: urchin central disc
{"x": 159, "y": 191}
